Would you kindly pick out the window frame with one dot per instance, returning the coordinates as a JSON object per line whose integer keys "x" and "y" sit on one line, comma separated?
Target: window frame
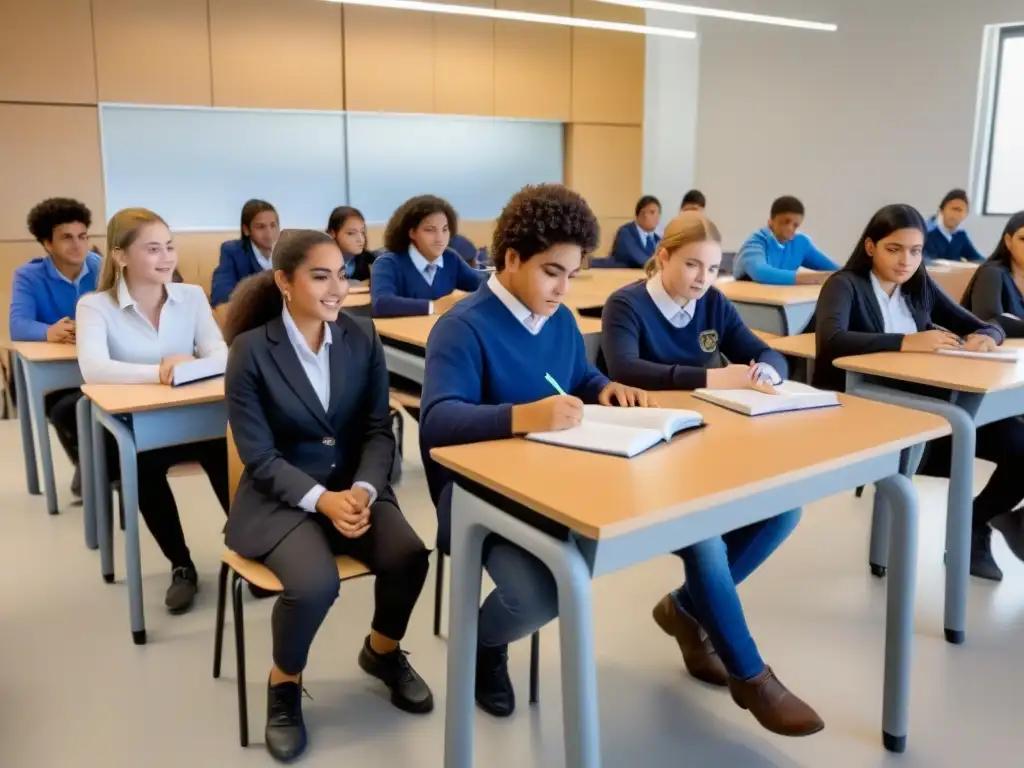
{"x": 1005, "y": 33}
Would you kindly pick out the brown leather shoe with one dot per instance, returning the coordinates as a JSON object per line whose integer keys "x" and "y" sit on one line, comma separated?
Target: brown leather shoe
{"x": 774, "y": 706}
{"x": 699, "y": 656}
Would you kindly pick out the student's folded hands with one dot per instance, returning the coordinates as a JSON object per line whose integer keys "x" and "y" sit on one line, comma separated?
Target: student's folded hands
{"x": 626, "y": 397}
{"x": 167, "y": 366}
{"x": 348, "y": 511}
{"x": 979, "y": 342}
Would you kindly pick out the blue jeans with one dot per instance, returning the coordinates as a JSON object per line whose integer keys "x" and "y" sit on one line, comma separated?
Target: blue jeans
{"x": 713, "y": 570}
{"x": 525, "y": 596}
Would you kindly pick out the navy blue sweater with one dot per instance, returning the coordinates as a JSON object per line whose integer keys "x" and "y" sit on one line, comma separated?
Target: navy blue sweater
{"x": 480, "y": 362}
{"x": 643, "y": 349}
{"x": 397, "y": 289}
{"x": 992, "y": 295}
{"x": 957, "y": 248}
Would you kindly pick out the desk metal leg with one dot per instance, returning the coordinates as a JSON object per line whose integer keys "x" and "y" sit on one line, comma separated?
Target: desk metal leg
{"x": 37, "y": 403}
{"x": 101, "y": 498}
{"x": 878, "y": 556}
{"x": 28, "y": 445}
{"x": 83, "y": 413}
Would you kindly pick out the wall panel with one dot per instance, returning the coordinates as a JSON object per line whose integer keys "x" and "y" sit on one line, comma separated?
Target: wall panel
{"x": 603, "y": 163}
{"x": 533, "y": 63}
{"x": 607, "y": 67}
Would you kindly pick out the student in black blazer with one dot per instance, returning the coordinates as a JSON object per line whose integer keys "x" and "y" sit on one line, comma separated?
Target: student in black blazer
{"x": 348, "y": 228}
{"x": 994, "y": 293}
{"x": 884, "y": 301}
{"x": 307, "y": 394}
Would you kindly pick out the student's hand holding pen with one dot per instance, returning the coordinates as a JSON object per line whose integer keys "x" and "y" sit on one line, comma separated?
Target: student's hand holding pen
{"x": 931, "y": 341}
{"x": 979, "y": 342}
{"x": 759, "y": 376}
{"x": 552, "y": 414}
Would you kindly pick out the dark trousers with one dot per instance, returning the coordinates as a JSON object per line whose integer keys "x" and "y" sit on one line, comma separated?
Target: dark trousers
{"x": 156, "y": 501}
{"x": 304, "y": 562}
{"x": 1002, "y": 443}
{"x": 60, "y": 411}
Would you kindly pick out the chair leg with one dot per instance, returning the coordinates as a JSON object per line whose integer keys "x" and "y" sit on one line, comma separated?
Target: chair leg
{"x": 218, "y": 637}
{"x": 535, "y": 668}
{"x": 438, "y": 593}
{"x": 243, "y": 708}
{"x": 120, "y": 505}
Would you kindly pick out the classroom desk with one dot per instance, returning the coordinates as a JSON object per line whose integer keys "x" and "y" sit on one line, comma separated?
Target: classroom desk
{"x": 591, "y": 288}
{"x": 952, "y": 276}
{"x": 41, "y": 367}
{"x": 984, "y": 391}
{"x": 614, "y": 516}
{"x": 142, "y": 417}
{"x": 784, "y": 310}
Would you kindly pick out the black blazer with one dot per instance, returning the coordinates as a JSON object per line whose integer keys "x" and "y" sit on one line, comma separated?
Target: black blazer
{"x": 286, "y": 441}
{"x": 363, "y": 263}
{"x": 991, "y": 293}
{"x": 850, "y": 322}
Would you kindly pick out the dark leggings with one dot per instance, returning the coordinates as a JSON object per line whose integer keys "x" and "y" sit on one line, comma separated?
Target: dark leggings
{"x": 156, "y": 501}
{"x": 304, "y": 562}
{"x": 60, "y": 411}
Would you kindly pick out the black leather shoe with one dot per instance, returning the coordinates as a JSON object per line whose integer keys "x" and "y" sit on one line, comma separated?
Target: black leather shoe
{"x": 983, "y": 565}
{"x": 76, "y": 482}
{"x": 285, "y": 735}
{"x": 494, "y": 692}
{"x": 181, "y": 593}
{"x": 1011, "y": 526}
{"x": 409, "y": 692}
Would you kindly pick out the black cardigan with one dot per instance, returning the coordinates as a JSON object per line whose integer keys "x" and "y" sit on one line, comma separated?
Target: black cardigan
{"x": 850, "y": 322}
{"x": 991, "y": 293}
{"x": 363, "y": 262}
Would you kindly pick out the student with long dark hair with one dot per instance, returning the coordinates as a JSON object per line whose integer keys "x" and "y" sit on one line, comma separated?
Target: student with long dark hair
{"x": 347, "y": 227}
{"x": 249, "y": 254}
{"x": 884, "y": 301}
{"x": 996, "y": 291}
{"x": 946, "y": 239}
{"x": 307, "y": 394}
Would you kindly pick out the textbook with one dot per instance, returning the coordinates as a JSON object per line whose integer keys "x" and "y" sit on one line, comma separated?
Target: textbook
{"x": 1006, "y": 355}
{"x": 624, "y": 432}
{"x": 790, "y": 396}
{"x": 198, "y": 370}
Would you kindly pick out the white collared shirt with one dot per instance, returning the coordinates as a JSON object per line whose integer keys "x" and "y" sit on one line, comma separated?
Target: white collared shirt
{"x": 265, "y": 261}
{"x": 81, "y": 273}
{"x": 678, "y": 316}
{"x": 644, "y": 236}
{"x": 428, "y": 270}
{"x": 941, "y": 226}
{"x": 896, "y": 315}
{"x": 531, "y": 322}
{"x": 117, "y": 344}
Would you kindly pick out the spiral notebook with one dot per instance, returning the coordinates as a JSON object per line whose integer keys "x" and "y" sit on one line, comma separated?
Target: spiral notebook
{"x": 625, "y": 432}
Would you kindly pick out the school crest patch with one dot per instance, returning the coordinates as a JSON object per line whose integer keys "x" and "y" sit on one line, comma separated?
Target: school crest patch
{"x": 708, "y": 341}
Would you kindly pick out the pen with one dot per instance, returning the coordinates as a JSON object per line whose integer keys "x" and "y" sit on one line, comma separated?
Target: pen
{"x": 551, "y": 380}
{"x": 935, "y": 327}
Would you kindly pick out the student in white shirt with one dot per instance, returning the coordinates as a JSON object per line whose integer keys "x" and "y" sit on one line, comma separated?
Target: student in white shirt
{"x": 135, "y": 329}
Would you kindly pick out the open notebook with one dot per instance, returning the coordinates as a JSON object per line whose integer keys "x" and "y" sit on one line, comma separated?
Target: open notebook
{"x": 621, "y": 431}
{"x": 1007, "y": 355}
{"x": 791, "y": 396}
{"x": 198, "y": 370}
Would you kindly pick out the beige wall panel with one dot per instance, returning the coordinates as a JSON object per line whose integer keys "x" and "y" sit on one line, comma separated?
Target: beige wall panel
{"x": 153, "y": 51}
{"x": 609, "y": 226}
{"x": 533, "y": 63}
{"x": 607, "y": 67}
{"x": 389, "y": 60}
{"x": 198, "y": 255}
{"x": 603, "y": 163}
{"x": 46, "y": 51}
{"x": 464, "y": 65}
{"x": 49, "y": 151}
{"x": 276, "y": 54}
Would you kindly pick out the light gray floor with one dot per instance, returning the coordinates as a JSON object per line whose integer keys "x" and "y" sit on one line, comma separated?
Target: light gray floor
{"x": 75, "y": 692}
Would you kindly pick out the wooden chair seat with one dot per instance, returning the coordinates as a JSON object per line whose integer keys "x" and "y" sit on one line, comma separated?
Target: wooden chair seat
{"x": 260, "y": 576}
{"x": 404, "y": 399}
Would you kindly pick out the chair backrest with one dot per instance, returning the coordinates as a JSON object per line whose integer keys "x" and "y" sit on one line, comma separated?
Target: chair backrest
{"x": 235, "y": 466}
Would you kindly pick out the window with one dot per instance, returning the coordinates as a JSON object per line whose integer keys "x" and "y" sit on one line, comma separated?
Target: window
{"x": 1004, "y": 190}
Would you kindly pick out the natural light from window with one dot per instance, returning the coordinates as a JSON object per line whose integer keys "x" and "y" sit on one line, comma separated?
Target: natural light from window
{"x": 1005, "y": 193}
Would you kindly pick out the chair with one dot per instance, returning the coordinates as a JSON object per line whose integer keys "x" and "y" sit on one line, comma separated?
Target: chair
{"x": 242, "y": 569}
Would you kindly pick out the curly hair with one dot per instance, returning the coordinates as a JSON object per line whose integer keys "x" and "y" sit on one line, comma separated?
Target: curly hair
{"x": 410, "y": 214}
{"x": 51, "y": 213}
{"x": 539, "y": 217}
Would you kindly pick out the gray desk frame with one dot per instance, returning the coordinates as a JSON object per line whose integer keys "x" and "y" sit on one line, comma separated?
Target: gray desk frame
{"x": 780, "y": 319}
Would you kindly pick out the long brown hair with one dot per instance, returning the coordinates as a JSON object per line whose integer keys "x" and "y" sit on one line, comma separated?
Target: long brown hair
{"x": 685, "y": 229}
{"x": 257, "y": 300}
{"x": 122, "y": 230}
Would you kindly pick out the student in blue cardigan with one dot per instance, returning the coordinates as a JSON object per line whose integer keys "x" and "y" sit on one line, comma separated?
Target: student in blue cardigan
{"x": 774, "y": 254}
{"x": 667, "y": 333}
{"x": 636, "y": 241}
{"x": 44, "y": 296}
{"x": 946, "y": 239}
{"x": 416, "y": 276}
{"x": 994, "y": 293}
{"x": 487, "y": 360}
{"x": 250, "y": 253}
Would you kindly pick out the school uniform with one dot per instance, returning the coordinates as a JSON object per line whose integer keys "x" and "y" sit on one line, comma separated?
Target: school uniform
{"x": 940, "y": 243}
{"x": 632, "y": 247}
{"x": 463, "y": 247}
{"x": 993, "y": 296}
{"x": 763, "y": 259}
{"x": 405, "y": 284}
{"x": 357, "y": 267}
{"x": 238, "y": 260}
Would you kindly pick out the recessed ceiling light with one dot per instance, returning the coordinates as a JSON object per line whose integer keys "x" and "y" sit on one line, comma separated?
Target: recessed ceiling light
{"x": 694, "y": 10}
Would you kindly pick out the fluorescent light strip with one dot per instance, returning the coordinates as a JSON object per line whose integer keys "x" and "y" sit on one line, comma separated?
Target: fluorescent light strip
{"x": 694, "y": 10}
{"x": 537, "y": 18}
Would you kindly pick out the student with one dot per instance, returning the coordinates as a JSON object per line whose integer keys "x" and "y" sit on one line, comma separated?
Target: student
{"x": 774, "y": 254}
{"x": 248, "y": 255}
{"x": 884, "y": 301}
{"x": 347, "y": 227}
{"x": 485, "y": 379}
{"x": 135, "y": 329}
{"x": 464, "y": 248}
{"x": 636, "y": 241}
{"x": 946, "y": 239}
{"x": 414, "y": 277}
{"x": 43, "y": 298}
{"x": 996, "y": 291}
{"x": 693, "y": 201}
{"x": 300, "y": 369}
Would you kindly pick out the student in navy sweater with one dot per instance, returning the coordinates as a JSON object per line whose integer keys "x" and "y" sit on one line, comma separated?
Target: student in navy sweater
{"x": 884, "y": 301}
{"x": 415, "y": 277}
{"x": 945, "y": 239}
{"x": 250, "y": 254}
{"x": 664, "y": 334}
{"x": 485, "y": 380}
{"x": 636, "y": 241}
{"x": 45, "y": 293}
{"x": 348, "y": 228}
{"x": 693, "y": 201}
{"x": 994, "y": 293}
{"x": 774, "y": 254}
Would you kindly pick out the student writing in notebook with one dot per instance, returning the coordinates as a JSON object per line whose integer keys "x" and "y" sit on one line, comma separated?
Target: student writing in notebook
{"x": 485, "y": 379}
{"x": 884, "y": 301}
{"x": 664, "y": 334}
{"x": 135, "y": 329}
{"x": 347, "y": 227}
{"x": 996, "y": 291}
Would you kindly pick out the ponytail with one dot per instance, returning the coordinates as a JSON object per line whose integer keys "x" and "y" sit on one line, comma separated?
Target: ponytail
{"x": 652, "y": 267}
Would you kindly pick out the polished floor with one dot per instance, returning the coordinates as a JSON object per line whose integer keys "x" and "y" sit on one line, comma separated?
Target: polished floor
{"x": 75, "y": 692}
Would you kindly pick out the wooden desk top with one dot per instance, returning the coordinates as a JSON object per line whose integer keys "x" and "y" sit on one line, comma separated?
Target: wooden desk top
{"x": 735, "y": 456}
{"x": 772, "y": 295}
{"x": 416, "y": 330}
{"x": 962, "y": 374}
{"x": 802, "y": 345}
{"x": 354, "y": 299}
{"x": 132, "y": 398}
{"x": 45, "y": 351}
